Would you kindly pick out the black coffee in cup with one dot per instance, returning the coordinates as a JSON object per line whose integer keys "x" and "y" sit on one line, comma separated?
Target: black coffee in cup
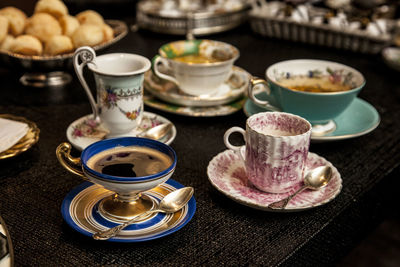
{"x": 130, "y": 161}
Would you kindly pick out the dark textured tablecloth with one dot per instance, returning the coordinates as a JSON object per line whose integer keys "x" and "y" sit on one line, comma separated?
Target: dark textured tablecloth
{"x": 222, "y": 232}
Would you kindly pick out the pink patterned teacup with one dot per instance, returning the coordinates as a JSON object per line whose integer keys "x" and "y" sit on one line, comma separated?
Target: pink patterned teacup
{"x": 276, "y": 151}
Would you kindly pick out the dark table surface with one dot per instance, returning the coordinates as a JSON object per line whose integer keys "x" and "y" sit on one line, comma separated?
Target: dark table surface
{"x": 33, "y": 184}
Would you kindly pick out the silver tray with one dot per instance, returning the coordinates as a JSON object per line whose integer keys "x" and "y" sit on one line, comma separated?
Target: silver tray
{"x": 203, "y": 22}
{"x": 47, "y": 70}
{"x": 324, "y": 35}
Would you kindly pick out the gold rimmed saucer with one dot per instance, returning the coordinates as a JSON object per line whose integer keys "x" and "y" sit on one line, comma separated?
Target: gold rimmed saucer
{"x": 169, "y": 92}
{"x": 25, "y": 142}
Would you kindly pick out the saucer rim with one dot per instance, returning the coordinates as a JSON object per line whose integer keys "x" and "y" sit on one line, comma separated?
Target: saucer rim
{"x": 337, "y": 137}
{"x": 164, "y": 119}
{"x": 159, "y": 105}
{"x": 65, "y": 205}
{"x": 266, "y": 208}
{"x": 33, "y": 130}
{"x": 191, "y": 101}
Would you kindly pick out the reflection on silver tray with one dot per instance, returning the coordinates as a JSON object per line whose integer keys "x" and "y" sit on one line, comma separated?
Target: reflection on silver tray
{"x": 42, "y": 70}
{"x": 169, "y": 92}
{"x": 204, "y": 22}
{"x": 59, "y": 61}
{"x": 324, "y": 35}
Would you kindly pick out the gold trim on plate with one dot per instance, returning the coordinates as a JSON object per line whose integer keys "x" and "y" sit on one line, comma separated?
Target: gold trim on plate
{"x": 25, "y": 142}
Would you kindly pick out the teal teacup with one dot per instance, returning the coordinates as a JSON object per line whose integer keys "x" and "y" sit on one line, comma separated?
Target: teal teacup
{"x": 316, "y": 90}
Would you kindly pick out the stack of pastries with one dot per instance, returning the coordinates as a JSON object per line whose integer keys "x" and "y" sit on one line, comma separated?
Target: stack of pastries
{"x": 50, "y": 30}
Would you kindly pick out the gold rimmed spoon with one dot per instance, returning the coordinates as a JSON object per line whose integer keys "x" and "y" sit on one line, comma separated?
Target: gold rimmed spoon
{"x": 171, "y": 203}
{"x": 315, "y": 179}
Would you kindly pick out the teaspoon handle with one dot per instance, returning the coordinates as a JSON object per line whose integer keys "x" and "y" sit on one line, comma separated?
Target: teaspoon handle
{"x": 281, "y": 204}
{"x": 106, "y": 234}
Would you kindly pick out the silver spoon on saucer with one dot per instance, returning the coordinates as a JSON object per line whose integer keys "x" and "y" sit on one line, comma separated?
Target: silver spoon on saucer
{"x": 314, "y": 179}
{"x": 171, "y": 203}
{"x": 157, "y": 132}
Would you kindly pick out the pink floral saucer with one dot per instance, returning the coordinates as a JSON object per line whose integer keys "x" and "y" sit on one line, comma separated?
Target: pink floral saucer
{"x": 85, "y": 131}
{"x": 227, "y": 174}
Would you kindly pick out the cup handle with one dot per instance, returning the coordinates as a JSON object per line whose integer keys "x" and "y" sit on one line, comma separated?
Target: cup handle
{"x": 63, "y": 153}
{"x": 250, "y": 90}
{"x": 228, "y": 133}
{"x": 86, "y": 55}
{"x": 157, "y": 59}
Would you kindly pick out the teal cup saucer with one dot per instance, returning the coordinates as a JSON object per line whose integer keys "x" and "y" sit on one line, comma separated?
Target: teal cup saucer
{"x": 358, "y": 119}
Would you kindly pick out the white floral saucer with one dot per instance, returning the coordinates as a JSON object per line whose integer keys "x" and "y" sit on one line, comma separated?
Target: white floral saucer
{"x": 169, "y": 92}
{"x": 85, "y": 131}
{"x": 227, "y": 174}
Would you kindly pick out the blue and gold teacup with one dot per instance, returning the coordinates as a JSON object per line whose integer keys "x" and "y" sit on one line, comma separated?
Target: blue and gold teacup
{"x": 107, "y": 164}
{"x": 316, "y": 90}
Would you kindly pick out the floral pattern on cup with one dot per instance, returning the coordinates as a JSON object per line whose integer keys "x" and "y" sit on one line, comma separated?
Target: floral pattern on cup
{"x": 111, "y": 96}
{"x": 276, "y": 150}
{"x": 132, "y": 115}
{"x": 205, "y": 48}
{"x": 276, "y": 163}
{"x": 335, "y": 76}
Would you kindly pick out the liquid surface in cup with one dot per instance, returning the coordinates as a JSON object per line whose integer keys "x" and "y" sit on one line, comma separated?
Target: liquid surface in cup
{"x": 195, "y": 59}
{"x": 130, "y": 161}
{"x": 321, "y": 84}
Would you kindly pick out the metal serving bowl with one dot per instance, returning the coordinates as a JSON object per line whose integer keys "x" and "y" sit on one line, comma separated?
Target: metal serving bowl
{"x": 49, "y": 70}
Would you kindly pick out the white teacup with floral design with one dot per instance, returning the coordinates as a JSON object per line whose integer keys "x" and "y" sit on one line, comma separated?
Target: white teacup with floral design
{"x": 119, "y": 82}
{"x": 276, "y": 150}
{"x": 198, "y": 67}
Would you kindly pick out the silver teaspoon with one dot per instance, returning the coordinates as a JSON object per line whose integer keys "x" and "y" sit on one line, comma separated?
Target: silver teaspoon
{"x": 171, "y": 203}
{"x": 157, "y": 132}
{"x": 315, "y": 179}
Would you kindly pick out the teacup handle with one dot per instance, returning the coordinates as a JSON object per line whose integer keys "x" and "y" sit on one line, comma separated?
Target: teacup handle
{"x": 157, "y": 60}
{"x": 63, "y": 153}
{"x": 86, "y": 55}
{"x": 229, "y": 132}
{"x": 254, "y": 82}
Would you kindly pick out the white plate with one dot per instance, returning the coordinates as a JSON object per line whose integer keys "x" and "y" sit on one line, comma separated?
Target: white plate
{"x": 80, "y": 140}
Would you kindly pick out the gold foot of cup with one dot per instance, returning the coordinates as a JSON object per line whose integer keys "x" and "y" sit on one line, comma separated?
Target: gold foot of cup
{"x": 115, "y": 209}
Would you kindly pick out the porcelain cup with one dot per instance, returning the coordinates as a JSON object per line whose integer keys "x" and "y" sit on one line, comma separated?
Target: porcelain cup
{"x": 191, "y": 77}
{"x": 276, "y": 150}
{"x": 318, "y": 108}
{"x": 119, "y": 86}
{"x": 128, "y": 200}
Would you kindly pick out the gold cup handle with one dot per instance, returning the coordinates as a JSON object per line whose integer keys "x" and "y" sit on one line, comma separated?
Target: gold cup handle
{"x": 70, "y": 163}
{"x": 254, "y": 82}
